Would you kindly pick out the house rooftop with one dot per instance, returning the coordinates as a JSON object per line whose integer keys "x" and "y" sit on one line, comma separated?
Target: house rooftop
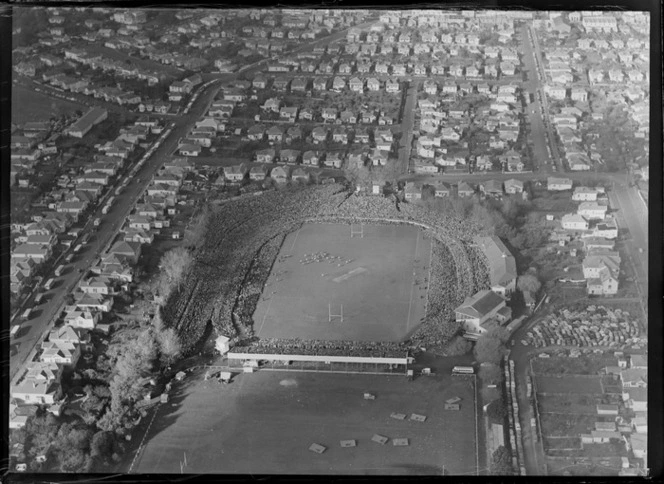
{"x": 481, "y": 303}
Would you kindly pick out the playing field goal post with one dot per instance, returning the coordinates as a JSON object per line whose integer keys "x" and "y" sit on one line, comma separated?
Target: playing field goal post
{"x": 357, "y": 230}
{"x": 331, "y": 315}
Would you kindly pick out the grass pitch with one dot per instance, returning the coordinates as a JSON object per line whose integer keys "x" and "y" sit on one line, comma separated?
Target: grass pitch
{"x": 29, "y": 105}
{"x": 264, "y": 423}
{"x": 380, "y": 279}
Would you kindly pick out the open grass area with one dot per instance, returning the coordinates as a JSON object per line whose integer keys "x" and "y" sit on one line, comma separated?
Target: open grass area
{"x": 566, "y": 425}
{"x": 571, "y": 467}
{"x": 562, "y": 443}
{"x": 264, "y": 423}
{"x": 578, "y": 404}
{"x": 588, "y": 365}
{"x": 28, "y": 105}
{"x": 20, "y": 199}
{"x": 373, "y": 278}
{"x": 569, "y": 384}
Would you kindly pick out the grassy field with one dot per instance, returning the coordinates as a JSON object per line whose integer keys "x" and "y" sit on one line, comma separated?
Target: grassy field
{"x": 28, "y": 105}
{"x": 588, "y": 365}
{"x": 20, "y": 199}
{"x": 380, "y": 300}
{"x": 568, "y": 404}
{"x": 264, "y": 423}
{"x": 567, "y": 425}
{"x": 569, "y": 384}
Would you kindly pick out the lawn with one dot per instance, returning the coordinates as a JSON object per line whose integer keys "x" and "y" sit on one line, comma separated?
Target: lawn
{"x": 567, "y": 404}
{"x": 20, "y": 199}
{"x": 264, "y": 423}
{"x": 28, "y": 105}
{"x": 587, "y": 365}
{"x": 380, "y": 300}
{"x": 569, "y": 384}
{"x": 566, "y": 425}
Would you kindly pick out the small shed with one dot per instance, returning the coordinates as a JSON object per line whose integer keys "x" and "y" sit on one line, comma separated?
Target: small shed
{"x": 400, "y": 442}
{"x": 317, "y": 448}
{"x": 418, "y": 418}
{"x": 180, "y": 375}
{"x": 379, "y": 439}
{"x": 225, "y": 376}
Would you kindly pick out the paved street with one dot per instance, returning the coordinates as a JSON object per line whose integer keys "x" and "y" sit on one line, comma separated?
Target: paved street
{"x": 542, "y": 133}
{"x": 479, "y": 177}
{"x": 34, "y": 330}
{"x": 633, "y": 215}
{"x": 407, "y": 123}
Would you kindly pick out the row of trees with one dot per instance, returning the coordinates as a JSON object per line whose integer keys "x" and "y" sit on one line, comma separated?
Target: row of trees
{"x": 510, "y": 218}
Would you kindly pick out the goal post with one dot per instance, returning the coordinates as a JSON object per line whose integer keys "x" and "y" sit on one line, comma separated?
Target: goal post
{"x": 357, "y": 230}
{"x": 330, "y": 315}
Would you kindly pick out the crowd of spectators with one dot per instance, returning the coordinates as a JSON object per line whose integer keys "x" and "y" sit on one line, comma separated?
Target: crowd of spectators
{"x": 244, "y": 238}
{"x": 328, "y": 348}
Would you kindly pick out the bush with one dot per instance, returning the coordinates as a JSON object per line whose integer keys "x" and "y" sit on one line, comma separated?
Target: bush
{"x": 491, "y": 375}
{"x": 458, "y": 346}
{"x": 501, "y": 462}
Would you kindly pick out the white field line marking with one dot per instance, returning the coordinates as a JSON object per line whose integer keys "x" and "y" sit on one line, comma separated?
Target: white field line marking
{"x": 295, "y": 239}
{"x": 410, "y": 303}
{"x": 412, "y": 285}
{"x": 140, "y": 447}
{"x": 426, "y": 301}
{"x": 477, "y": 440}
{"x": 265, "y": 315}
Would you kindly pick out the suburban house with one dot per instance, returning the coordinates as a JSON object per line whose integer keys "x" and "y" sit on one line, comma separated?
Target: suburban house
{"x": 492, "y": 188}
{"x": 442, "y": 189}
{"x": 310, "y": 158}
{"x": 513, "y": 186}
{"x": 379, "y": 157}
{"x": 41, "y": 387}
{"x": 412, "y": 191}
{"x": 465, "y": 190}
{"x": 280, "y": 174}
{"x": 333, "y": 159}
{"x": 477, "y": 310}
{"x": 607, "y": 229}
{"x": 265, "y": 156}
{"x": 301, "y": 175}
{"x": 275, "y": 134}
{"x": 592, "y": 210}
{"x": 574, "y": 222}
{"x": 258, "y": 173}
{"x": 558, "y": 184}
{"x": 60, "y": 352}
{"x": 289, "y": 156}
{"x": 256, "y": 133}
{"x": 235, "y": 173}
{"x": 502, "y": 265}
{"x": 585, "y": 194}
{"x": 604, "y": 284}
{"x": 319, "y": 134}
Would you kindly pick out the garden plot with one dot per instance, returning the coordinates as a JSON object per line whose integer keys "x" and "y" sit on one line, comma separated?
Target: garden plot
{"x": 569, "y": 384}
